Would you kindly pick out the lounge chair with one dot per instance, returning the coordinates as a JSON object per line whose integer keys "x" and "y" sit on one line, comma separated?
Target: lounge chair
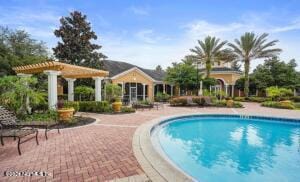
{"x": 12, "y": 131}
{"x": 8, "y": 118}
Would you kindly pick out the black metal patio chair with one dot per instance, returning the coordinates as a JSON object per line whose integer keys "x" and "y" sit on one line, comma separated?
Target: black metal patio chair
{"x": 8, "y": 118}
{"x": 12, "y": 131}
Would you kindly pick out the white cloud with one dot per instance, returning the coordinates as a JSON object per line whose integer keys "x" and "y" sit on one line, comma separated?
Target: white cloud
{"x": 139, "y": 10}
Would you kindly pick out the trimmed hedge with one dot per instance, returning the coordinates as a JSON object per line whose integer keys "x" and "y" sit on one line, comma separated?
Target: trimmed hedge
{"x": 89, "y": 106}
{"x": 252, "y": 99}
{"x": 94, "y": 106}
{"x": 179, "y": 101}
{"x": 184, "y": 100}
{"x": 127, "y": 110}
{"x": 74, "y": 104}
{"x": 280, "y": 105}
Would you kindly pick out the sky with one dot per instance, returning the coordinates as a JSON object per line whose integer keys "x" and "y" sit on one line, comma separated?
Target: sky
{"x": 158, "y": 32}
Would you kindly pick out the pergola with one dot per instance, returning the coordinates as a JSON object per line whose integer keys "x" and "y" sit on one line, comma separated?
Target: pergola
{"x": 67, "y": 71}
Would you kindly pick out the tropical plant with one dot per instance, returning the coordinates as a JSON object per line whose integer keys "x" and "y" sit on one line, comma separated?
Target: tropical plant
{"x": 209, "y": 51}
{"x": 112, "y": 92}
{"x": 250, "y": 47}
{"x": 84, "y": 91}
{"x": 18, "y": 95}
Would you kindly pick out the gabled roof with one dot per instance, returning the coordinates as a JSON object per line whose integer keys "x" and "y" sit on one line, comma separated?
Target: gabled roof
{"x": 118, "y": 67}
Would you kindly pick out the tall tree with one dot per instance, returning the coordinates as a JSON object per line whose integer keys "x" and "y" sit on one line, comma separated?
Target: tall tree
{"x": 250, "y": 47}
{"x": 76, "y": 46}
{"x": 209, "y": 50}
{"x": 158, "y": 68}
{"x": 275, "y": 72}
{"x": 182, "y": 74}
{"x": 18, "y": 48}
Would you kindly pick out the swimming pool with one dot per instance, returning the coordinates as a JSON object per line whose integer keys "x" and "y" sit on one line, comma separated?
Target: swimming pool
{"x": 232, "y": 148}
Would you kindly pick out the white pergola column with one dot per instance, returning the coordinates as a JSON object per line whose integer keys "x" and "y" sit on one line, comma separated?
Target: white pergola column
{"x": 70, "y": 88}
{"x": 22, "y": 75}
{"x": 171, "y": 90}
{"x": 226, "y": 90}
{"x": 52, "y": 87}
{"x": 98, "y": 88}
{"x": 164, "y": 88}
{"x": 232, "y": 90}
{"x": 123, "y": 89}
{"x": 144, "y": 91}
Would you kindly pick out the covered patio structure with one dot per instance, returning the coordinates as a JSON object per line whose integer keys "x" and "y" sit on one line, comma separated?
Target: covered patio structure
{"x": 69, "y": 72}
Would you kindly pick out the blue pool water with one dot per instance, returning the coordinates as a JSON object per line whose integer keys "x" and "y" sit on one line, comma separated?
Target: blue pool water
{"x": 219, "y": 148}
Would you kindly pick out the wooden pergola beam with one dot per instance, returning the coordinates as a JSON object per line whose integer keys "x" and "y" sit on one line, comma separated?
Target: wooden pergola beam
{"x": 67, "y": 70}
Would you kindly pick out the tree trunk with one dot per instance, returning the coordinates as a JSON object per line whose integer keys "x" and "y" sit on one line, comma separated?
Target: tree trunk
{"x": 208, "y": 68}
{"x": 246, "y": 87}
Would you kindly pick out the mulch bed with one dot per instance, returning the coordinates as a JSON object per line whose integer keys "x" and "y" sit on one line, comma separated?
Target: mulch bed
{"x": 78, "y": 121}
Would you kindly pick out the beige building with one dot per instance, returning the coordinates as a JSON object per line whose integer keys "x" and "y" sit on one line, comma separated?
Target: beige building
{"x": 137, "y": 83}
{"x": 226, "y": 77}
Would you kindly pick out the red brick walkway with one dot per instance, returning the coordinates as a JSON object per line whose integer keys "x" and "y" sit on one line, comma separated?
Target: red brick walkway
{"x": 97, "y": 152}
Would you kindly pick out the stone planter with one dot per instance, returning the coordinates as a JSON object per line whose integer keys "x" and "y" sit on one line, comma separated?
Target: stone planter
{"x": 65, "y": 115}
{"x": 117, "y": 106}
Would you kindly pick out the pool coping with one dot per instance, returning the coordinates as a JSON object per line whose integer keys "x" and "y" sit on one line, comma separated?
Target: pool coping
{"x": 156, "y": 166}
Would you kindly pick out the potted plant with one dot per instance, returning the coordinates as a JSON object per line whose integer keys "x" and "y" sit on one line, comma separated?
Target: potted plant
{"x": 65, "y": 114}
{"x": 113, "y": 94}
{"x": 117, "y": 104}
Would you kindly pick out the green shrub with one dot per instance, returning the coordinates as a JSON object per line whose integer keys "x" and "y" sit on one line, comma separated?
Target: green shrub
{"x": 296, "y": 98}
{"x": 42, "y": 117}
{"x": 237, "y": 105}
{"x": 94, "y": 106}
{"x": 220, "y": 103}
{"x": 145, "y": 102}
{"x": 240, "y": 99}
{"x": 281, "y": 105}
{"x": 276, "y": 93}
{"x": 73, "y": 104}
{"x": 162, "y": 97}
{"x": 297, "y": 105}
{"x": 127, "y": 110}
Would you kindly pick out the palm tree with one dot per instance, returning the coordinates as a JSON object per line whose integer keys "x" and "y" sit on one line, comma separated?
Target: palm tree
{"x": 209, "y": 51}
{"x": 251, "y": 47}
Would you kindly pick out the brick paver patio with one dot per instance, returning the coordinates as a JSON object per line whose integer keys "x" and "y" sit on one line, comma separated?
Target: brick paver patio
{"x": 100, "y": 151}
